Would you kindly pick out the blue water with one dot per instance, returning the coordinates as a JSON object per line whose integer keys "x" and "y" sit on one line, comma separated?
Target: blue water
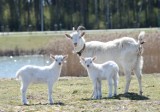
{"x": 9, "y": 65}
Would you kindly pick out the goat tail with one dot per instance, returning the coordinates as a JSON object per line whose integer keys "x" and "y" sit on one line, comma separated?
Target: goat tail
{"x": 140, "y": 42}
{"x": 17, "y": 75}
{"x": 141, "y": 37}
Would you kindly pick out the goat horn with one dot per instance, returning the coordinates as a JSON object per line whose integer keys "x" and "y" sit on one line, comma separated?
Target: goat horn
{"x": 80, "y": 28}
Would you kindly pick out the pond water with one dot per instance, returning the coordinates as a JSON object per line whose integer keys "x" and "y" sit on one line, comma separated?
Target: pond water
{"x": 10, "y": 65}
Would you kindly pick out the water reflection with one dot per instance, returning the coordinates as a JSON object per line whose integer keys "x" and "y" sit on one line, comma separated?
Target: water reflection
{"x": 9, "y": 65}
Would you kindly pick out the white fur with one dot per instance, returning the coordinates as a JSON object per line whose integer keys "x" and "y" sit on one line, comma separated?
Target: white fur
{"x": 36, "y": 74}
{"x": 126, "y": 52}
{"x": 97, "y": 72}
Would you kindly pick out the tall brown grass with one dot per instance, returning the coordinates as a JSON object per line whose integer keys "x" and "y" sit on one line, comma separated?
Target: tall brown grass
{"x": 73, "y": 67}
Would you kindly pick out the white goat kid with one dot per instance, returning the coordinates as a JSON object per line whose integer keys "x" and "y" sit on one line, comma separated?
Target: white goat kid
{"x": 36, "y": 74}
{"x": 97, "y": 72}
{"x": 126, "y": 52}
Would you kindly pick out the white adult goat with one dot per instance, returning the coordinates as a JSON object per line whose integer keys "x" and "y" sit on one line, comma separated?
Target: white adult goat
{"x": 97, "y": 72}
{"x": 126, "y": 52}
{"x": 36, "y": 74}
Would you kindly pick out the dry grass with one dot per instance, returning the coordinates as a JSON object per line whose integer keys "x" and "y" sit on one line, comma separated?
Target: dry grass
{"x": 72, "y": 94}
{"x": 56, "y": 43}
{"x": 11, "y": 45}
{"x": 73, "y": 67}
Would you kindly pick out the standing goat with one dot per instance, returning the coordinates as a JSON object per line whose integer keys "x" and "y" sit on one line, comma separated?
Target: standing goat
{"x": 126, "y": 52}
{"x": 36, "y": 74}
{"x": 97, "y": 72}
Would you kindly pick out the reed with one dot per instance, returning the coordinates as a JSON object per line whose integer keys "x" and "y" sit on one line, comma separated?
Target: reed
{"x": 73, "y": 68}
{"x": 58, "y": 44}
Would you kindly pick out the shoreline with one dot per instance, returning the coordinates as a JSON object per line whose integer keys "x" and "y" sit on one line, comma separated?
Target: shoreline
{"x": 20, "y": 52}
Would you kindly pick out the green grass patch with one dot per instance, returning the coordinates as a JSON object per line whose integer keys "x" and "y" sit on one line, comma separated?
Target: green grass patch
{"x": 72, "y": 94}
{"x": 25, "y": 42}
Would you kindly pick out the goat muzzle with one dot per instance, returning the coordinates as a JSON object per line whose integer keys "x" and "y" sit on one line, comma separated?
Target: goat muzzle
{"x": 75, "y": 44}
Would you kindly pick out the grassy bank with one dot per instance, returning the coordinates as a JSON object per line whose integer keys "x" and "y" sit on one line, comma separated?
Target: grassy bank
{"x": 73, "y": 95}
{"x": 29, "y": 43}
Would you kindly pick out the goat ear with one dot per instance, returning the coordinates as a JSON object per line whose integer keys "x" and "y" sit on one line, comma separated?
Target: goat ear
{"x": 82, "y": 58}
{"x": 73, "y": 28}
{"x": 65, "y": 57}
{"x": 82, "y": 34}
{"x": 52, "y": 56}
{"x": 94, "y": 58}
{"x": 68, "y": 36}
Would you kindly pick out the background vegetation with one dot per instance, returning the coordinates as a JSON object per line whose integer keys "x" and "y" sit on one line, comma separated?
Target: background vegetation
{"x": 55, "y": 42}
{"x": 73, "y": 95}
{"x": 24, "y": 15}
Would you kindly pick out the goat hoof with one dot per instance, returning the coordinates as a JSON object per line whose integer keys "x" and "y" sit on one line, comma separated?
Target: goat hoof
{"x": 140, "y": 93}
{"x": 95, "y": 97}
{"x": 109, "y": 96}
{"x": 51, "y": 103}
{"x": 126, "y": 93}
{"x": 98, "y": 97}
{"x": 25, "y": 103}
{"x": 115, "y": 94}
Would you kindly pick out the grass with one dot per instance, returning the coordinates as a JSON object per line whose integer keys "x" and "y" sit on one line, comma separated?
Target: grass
{"x": 24, "y": 42}
{"x": 72, "y": 94}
